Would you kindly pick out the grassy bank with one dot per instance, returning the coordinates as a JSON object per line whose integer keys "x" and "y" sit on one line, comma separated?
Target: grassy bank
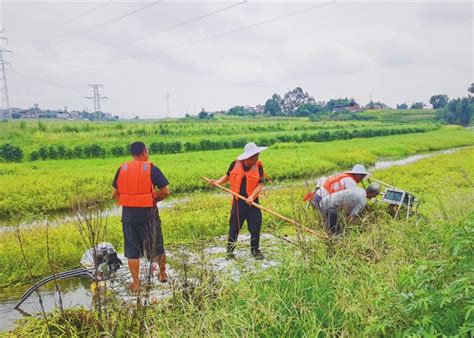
{"x": 443, "y": 183}
{"x": 30, "y": 189}
{"x": 384, "y": 277}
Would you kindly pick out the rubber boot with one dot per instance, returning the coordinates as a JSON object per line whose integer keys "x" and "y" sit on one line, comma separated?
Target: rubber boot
{"x": 257, "y": 254}
{"x": 162, "y": 264}
{"x": 230, "y": 250}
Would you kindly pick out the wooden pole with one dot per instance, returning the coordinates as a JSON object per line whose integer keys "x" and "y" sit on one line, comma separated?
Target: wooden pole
{"x": 289, "y": 220}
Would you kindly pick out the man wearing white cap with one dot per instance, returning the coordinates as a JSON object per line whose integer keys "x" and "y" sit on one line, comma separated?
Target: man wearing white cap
{"x": 345, "y": 203}
{"x": 340, "y": 193}
{"x": 345, "y": 180}
{"x": 246, "y": 178}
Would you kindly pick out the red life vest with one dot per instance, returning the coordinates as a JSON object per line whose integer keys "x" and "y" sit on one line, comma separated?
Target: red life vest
{"x": 334, "y": 183}
{"x": 135, "y": 186}
{"x": 252, "y": 177}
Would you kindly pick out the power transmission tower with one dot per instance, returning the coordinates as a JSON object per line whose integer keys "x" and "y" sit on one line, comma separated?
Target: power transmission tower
{"x": 168, "y": 97}
{"x": 5, "y": 111}
{"x": 96, "y": 98}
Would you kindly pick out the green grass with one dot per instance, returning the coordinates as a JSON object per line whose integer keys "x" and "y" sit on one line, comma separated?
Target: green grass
{"x": 400, "y": 116}
{"x": 30, "y": 189}
{"x": 206, "y": 214}
{"x": 384, "y": 277}
{"x": 29, "y": 134}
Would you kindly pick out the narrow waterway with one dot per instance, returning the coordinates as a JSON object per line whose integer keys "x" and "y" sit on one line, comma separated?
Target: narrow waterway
{"x": 67, "y": 217}
{"x": 76, "y": 291}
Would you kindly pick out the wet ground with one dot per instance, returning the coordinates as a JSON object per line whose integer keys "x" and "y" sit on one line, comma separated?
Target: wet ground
{"x": 76, "y": 292}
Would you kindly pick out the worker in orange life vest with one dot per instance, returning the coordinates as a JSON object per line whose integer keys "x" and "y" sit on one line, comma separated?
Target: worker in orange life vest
{"x": 246, "y": 178}
{"x": 338, "y": 182}
{"x": 335, "y": 186}
{"x": 135, "y": 189}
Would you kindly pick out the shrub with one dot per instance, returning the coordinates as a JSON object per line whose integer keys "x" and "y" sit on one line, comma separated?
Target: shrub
{"x": 118, "y": 151}
{"x": 94, "y": 151}
{"x": 34, "y": 156}
{"x": 11, "y": 153}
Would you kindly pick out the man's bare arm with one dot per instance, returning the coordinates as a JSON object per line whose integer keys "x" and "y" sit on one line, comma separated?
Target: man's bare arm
{"x": 116, "y": 194}
{"x": 162, "y": 194}
{"x": 255, "y": 193}
{"x": 223, "y": 180}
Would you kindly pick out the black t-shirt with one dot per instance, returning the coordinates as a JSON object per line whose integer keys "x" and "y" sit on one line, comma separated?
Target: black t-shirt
{"x": 243, "y": 185}
{"x": 136, "y": 215}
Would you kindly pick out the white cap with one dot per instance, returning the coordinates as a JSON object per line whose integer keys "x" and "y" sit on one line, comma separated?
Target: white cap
{"x": 358, "y": 169}
{"x": 250, "y": 149}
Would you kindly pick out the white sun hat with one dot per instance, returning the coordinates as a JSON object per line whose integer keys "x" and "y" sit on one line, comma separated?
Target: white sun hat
{"x": 250, "y": 149}
{"x": 358, "y": 169}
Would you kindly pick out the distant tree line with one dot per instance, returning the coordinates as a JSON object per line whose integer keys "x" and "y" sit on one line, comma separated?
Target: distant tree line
{"x": 454, "y": 111}
{"x": 295, "y": 102}
{"x": 12, "y": 153}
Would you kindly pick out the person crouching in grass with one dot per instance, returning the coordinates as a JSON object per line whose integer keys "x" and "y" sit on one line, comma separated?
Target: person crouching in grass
{"x": 246, "y": 178}
{"x": 135, "y": 185}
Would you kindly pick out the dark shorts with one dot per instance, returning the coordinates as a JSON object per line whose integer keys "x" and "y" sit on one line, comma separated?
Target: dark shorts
{"x": 143, "y": 238}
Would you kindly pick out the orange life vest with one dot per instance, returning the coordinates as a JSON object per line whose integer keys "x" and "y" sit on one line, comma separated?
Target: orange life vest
{"x": 252, "y": 177}
{"x": 334, "y": 183}
{"x": 135, "y": 186}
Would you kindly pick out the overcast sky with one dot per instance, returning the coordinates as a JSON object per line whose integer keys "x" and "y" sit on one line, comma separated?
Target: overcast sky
{"x": 197, "y": 51}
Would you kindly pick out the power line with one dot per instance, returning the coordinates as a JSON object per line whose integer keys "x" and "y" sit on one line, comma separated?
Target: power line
{"x": 93, "y": 28}
{"x": 68, "y": 21}
{"x": 122, "y": 43}
{"x": 55, "y": 84}
{"x": 234, "y": 30}
{"x": 219, "y": 34}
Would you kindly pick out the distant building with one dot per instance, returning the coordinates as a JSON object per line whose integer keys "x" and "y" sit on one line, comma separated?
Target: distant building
{"x": 36, "y": 113}
{"x": 63, "y": 115}
{"x": 351, "y": 107}
{"x": 376, "y": 105}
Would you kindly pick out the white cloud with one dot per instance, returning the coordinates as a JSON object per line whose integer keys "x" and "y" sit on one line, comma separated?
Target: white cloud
{"x": 396, "y": 51}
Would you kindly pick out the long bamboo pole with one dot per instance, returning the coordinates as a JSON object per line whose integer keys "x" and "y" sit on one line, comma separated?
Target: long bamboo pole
{"x": 289, "y": 220}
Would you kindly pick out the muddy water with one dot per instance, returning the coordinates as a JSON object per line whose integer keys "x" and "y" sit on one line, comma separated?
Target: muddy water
{"x": 410, "y": 159}
{"x": 75, "y": 292}
{"x": 67, "y": 217}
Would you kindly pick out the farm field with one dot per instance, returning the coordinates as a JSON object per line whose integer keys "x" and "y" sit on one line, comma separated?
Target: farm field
{"x": 367, "y": 281}
{"x": 32, "y": 189}
{"x": 383, "y": 277}
{"x": 59, "y": 140}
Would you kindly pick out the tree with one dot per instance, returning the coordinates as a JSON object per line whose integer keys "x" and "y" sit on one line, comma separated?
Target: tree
{"x": 205, "y": 115}
{"x": 273, "y": 105}
{"x": 331, "y": 104}
{"x": 418, "y": 105}
{"x": 239, "y": 111}
{"x": 308, "y": 109}
{"x": 402, "y": 106}
{"x": 294, "y": 99}
{"x": 458, "y": 111}
{"x": 466, "y": 108}
{"x": 439, "y": 101}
